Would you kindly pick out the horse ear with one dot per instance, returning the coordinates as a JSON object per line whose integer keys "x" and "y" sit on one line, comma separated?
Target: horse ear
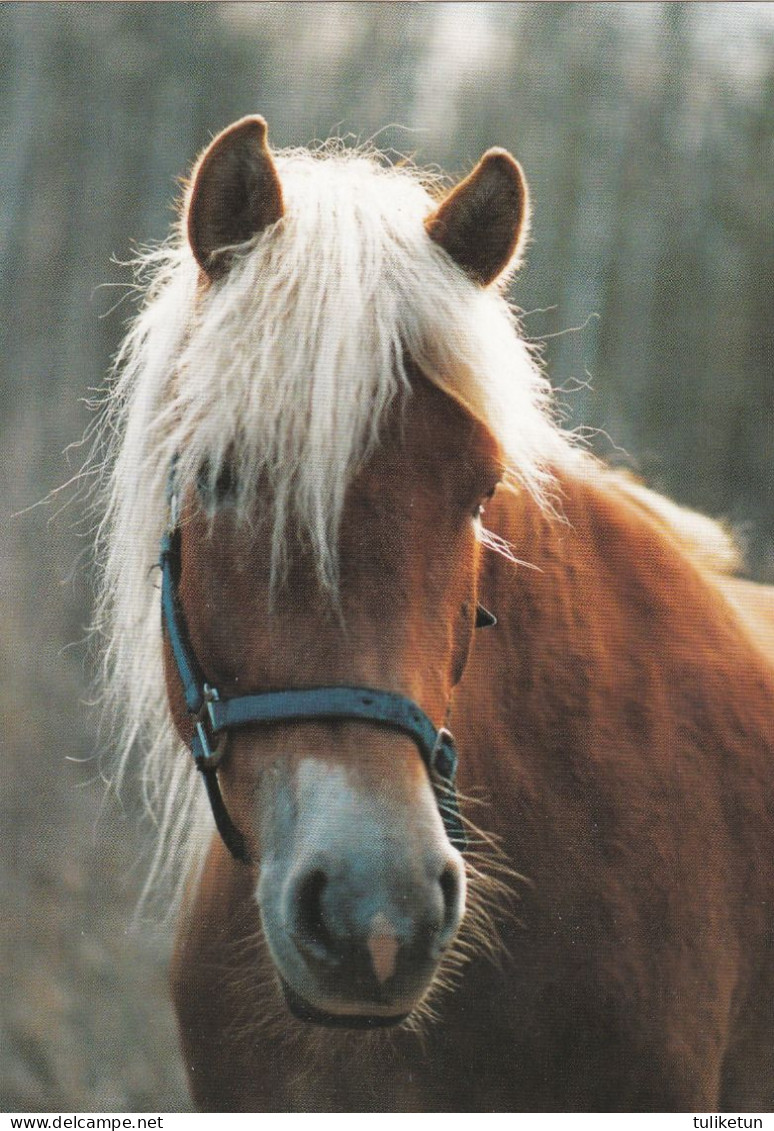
{"x": 235, "y": 193}
{"x": 482, "y": 221}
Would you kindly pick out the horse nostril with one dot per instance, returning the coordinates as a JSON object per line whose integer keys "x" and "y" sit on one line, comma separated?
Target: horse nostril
{"x": 311, "y": 932}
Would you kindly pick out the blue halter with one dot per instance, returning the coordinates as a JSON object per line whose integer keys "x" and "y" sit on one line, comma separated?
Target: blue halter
{"x": 215, "y": 716}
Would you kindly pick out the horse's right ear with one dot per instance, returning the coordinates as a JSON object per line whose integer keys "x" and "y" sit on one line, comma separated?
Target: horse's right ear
{"x": 234, "y": 194}
{"x": 482, "y": 222}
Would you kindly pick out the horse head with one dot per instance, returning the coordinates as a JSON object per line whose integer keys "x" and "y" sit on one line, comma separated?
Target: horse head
{"x": 360, "y": 891}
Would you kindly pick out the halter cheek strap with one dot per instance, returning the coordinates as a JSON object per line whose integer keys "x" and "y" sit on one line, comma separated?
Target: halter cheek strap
{"x": 214, "y": 716}
{"x": 196, "y": 692}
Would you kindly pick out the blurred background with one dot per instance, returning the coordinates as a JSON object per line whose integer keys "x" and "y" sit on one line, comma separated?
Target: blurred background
{"x": 647, "y": 135}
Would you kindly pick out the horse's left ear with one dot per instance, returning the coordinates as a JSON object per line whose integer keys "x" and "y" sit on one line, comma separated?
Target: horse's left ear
{"x": 235, "y": 193}
{"x": 482, "y": 221}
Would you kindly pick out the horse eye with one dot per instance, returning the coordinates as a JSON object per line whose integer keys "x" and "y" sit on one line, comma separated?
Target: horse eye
{"x": 478, "y": 510}
{"x": 222, "y": 490}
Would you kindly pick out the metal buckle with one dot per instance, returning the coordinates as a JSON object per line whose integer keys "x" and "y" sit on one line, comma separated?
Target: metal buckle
{"x": 212, "y": 745}
{"x": 443, "y": 762}
{"x": 443, "y": 759}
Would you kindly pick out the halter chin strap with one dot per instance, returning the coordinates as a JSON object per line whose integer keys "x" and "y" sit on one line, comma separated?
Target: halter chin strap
{"x": 215, "y": 716}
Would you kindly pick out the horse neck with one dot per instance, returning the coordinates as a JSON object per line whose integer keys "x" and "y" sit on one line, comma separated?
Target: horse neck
{"x": 589, "y": 644}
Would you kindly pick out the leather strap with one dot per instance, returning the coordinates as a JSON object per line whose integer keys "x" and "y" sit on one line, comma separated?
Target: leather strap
{"x": 173, "y": 620}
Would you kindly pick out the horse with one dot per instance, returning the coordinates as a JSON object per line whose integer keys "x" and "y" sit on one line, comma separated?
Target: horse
{"x": 484, "y": 724}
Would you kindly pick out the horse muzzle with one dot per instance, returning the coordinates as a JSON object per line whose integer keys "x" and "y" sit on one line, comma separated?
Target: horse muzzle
{"x": 357, "y": 929}
{"x": 343, "y": 963}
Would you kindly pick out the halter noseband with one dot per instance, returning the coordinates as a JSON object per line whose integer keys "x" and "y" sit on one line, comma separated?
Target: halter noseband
{"x": 215, "y": 716}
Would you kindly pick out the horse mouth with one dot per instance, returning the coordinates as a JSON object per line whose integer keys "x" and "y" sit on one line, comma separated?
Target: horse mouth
{"x": 302, "y": 1010}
